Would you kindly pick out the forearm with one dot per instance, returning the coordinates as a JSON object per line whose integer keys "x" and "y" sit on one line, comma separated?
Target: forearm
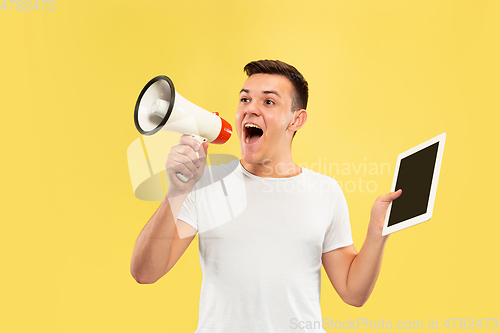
{"x": 152, "y": 247}
{"x": 365, "y": 269}
{"x": 354, "y": 274}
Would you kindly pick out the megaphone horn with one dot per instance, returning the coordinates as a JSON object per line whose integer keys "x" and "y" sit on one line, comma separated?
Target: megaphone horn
{"x": 160, "y": 107}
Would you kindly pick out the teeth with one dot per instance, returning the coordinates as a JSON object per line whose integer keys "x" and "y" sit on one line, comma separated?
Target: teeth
{"x": 247, "y": 139}
{"x": 252, "y": 125}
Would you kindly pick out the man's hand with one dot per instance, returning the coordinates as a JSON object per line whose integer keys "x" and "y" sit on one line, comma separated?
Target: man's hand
{"x": 162, "y": 242}
{"x": 354, "y": 274}
{"x": 182, "y": 158}
{"x": 379, "y": 210}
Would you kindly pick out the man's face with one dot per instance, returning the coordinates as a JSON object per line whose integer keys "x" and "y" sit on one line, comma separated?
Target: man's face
{"x": 263, "y": 116}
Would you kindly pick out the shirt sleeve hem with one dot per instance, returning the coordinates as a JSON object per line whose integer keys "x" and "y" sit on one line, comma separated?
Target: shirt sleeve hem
{"x": 347, "y": 242}
{"x": 188, "y": 221}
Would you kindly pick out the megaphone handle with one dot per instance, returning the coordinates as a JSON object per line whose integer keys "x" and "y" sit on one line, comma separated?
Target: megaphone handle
{"x": 200, "y": 140}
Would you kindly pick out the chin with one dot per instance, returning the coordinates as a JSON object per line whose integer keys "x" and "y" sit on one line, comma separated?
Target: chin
{"x": 250, "y": 159}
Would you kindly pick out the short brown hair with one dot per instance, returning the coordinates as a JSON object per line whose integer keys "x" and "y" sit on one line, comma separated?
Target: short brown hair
{"x": 301, "y": 95}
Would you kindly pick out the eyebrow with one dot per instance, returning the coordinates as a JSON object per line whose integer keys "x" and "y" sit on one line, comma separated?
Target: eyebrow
{"x": 272, "y": 92}
{"x": 264, "y": 92}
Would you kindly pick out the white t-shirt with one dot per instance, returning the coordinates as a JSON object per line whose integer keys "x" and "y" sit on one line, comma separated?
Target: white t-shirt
{"x": 261, "y": 241}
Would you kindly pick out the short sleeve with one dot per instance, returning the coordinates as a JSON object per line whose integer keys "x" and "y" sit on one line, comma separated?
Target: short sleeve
{"x": 188, "y": 211}
{"x": 338, "y": 233}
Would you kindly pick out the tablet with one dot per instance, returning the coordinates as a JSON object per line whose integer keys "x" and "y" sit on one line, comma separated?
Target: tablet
{"x": 417, "y": 173}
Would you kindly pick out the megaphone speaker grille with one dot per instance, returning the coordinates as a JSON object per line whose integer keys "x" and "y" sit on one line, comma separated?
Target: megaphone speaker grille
{"x": 158, "y": 88}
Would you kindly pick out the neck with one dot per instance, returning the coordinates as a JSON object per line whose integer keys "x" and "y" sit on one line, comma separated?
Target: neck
{"x": 273, "y": 169}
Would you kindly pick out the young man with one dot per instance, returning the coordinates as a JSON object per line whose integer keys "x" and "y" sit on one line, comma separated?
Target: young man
{"x": 262, "y": 264}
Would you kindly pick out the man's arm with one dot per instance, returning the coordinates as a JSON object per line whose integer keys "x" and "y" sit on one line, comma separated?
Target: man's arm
{"x": 164, "y": 239}
{"x": 159, "y": 246}
{"x": 353, "y": 274}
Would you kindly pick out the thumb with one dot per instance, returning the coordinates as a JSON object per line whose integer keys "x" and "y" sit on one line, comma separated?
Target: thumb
{"x": 396, "y": 194}
{"x": 391, "y": 196}
{"x": 205, "y": 147}
{"x": 203, "y": 152}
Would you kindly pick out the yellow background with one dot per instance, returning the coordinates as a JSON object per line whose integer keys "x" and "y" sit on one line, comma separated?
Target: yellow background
{"x": 384, "y": 76}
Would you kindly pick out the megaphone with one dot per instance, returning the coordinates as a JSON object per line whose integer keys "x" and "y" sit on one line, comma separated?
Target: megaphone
{"x": 160, "y": 107}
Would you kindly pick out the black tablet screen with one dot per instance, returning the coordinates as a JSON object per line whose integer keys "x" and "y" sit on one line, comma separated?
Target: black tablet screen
{"x": 415, "y": 179}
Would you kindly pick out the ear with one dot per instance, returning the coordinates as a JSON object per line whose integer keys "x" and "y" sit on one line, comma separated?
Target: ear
{"x": 299, "y": 119}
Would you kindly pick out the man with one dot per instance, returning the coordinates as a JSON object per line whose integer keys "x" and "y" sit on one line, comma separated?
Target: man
{"x": 262, "y": 267}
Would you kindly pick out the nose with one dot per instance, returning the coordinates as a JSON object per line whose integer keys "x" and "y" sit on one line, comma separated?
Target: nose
{"x": 252, "y": 107}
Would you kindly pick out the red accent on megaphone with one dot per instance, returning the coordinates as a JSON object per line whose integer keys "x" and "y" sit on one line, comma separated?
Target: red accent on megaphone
{"x": 225, "y": 132}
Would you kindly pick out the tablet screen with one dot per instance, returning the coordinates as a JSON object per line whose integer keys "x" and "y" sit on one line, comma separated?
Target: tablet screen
{"x": 415, "y": 179}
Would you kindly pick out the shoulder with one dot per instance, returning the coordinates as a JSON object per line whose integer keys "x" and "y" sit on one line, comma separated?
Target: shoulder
{"x": 324, "y": 183}
{"x": 316, "y": 176}
{"x": 219, "y": 169}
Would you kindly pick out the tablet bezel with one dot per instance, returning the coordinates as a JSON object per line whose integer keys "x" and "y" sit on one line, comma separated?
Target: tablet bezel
{"x": 441, "y": 138}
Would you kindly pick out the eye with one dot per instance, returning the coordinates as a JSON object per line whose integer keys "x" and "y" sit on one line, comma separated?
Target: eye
{"x": 269, "y": 102}
{"x": 244, "y": 99}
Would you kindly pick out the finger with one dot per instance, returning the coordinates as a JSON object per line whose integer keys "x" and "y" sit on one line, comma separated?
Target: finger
{"x": 185, "y": 155}
{"x": 398, "y": 193}
{"x": 186, "y": 162}
{"x": 203, "y": 152}
{"x": 182, "y": 169}
{"x": 175, "y": 181}
{"x": 189, "y": 141}
{"x": 390, "y": 196}
{"x": 205, "y": 148}
{"x": 185, "y": 150}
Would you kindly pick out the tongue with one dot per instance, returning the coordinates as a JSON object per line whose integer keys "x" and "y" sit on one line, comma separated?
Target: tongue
{"x": 253, "y": 138}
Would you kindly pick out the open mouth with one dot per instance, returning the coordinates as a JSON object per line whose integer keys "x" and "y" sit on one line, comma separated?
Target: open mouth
{"x": 252, "y": 133}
